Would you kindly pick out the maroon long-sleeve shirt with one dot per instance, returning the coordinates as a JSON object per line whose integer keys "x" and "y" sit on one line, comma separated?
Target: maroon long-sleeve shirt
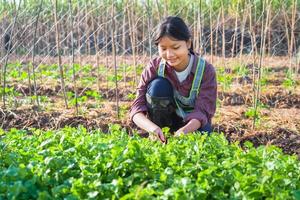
{"x": 205, "y": 105}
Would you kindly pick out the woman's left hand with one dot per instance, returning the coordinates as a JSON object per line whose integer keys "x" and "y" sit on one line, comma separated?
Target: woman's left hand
{"x": 180, "y": 132}
{"x": 191, "y": 126}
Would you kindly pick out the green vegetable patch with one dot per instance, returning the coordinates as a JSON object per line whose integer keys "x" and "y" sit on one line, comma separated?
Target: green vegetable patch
{"x": 72, "y": 163}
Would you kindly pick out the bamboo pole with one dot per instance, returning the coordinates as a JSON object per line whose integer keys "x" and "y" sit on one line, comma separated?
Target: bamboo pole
{"x": 198, "y": 29}
{"x": 244, "y": 20}
{"x": 132, "y": 35}
{"x": 99, "y": 78}
{"x": 258, "y": 84}
{"x": 33, "y": 55}
{"x": 195, "y": 32}
{"x": 58, "y": 54}
{"x": 73, "y": 57}
{"x": 124, "y": 47}
{"x": 223, "y": 33}
{"x": 217, "y": 34}
{"x": 211, "y": 33}
{"x": 158, "y": 10}
{"x": 106, "y": 53}
{"x": 269, "y": 49}
{"x": 266, "y": 27}
{"x": 166, "y": 8}
{"x": 201, "y": 25}
{"x": 292, "y": 41}
{"x": 149, "y": 23}
{"x": 79, "y": 35}
{"x": 254, "y": 54}
{"x": 113, "y": 33}
{"x": 233, "y": 49}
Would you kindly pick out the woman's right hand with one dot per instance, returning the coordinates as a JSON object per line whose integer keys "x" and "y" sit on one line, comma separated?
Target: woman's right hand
{"x": 146, "y": 124}
{"x": 160, "y": 135}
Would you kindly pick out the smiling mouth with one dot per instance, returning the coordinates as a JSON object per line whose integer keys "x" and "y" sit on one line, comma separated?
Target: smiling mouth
{"x": 172, "y": 61}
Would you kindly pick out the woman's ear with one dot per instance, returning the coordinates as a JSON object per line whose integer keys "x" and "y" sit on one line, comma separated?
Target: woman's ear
{"x": 189, "y": 43}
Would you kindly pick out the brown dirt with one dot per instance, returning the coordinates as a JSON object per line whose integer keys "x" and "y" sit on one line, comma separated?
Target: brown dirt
{"x": 53, "y": 91}
{"x": 26, "y": 118}
{"x": 246, "y": 80}
{"x": 287, "y": 140}
{"x": 275, "y": 99}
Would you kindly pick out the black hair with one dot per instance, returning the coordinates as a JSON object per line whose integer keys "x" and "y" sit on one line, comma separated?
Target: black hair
{"x": 174, "y": 27}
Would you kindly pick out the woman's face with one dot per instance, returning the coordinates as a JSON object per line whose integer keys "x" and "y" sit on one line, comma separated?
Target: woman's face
{"x": 175, "y": 52}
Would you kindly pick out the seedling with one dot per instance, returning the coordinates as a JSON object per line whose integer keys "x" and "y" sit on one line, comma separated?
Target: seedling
{"x": 289, "y": 80}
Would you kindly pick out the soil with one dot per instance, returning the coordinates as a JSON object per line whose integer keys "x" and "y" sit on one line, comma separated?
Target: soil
{"x": 276, "y": 99}
{"x": 287, "y": 140}
{"x": 53, "y": 91}
{"x": 30, "y": 117}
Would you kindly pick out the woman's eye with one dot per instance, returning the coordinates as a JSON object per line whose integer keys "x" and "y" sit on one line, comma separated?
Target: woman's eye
{"x": 176, "y": 48}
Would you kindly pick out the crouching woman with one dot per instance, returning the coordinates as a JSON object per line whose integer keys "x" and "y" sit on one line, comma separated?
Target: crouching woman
{"x": 177, "y": 89}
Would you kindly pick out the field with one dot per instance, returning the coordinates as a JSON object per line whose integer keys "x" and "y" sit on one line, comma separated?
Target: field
{"x": 68, "y": 77}
{"x": 279, "y": 101}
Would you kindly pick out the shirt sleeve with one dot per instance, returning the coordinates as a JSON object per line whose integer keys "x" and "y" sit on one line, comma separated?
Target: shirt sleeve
{"x": 139, "y": 104}
{"x": 205, "y": 105}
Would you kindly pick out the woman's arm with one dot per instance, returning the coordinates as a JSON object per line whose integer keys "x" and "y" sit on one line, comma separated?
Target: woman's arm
{"x": 146, "y": 124}
{"x": 148, "y": 74}
{"x": 205, "y": 105}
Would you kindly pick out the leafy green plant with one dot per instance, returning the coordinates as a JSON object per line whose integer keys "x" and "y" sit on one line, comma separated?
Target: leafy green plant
{"x": 8, "y": 91}
{"x": 131, "y": 96}
{"x": 42, "y": 99}
{"x": 252, "y": 113}
{"x": 225, "y": 80}
{"x": 123, "y": 109}
{"x": 241, "y": 70}
{"x": 266, "y": 72}
{"x": 263, "y": 81}
{"x": 94, "y": 94}
{"x": 86, "y": 69}
{"x": 289, "y": 80}
{"x": 72, "y": 100}
{"x": 166, "y": 132}
{"x": 73, "y": 163}
{"x": 112, "y": 78}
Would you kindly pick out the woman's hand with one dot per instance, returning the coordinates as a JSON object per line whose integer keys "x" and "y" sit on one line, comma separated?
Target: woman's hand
{"x": 146, "y": 124}
{"x": 158, "y": 132}
{"x": 180, "y": 132}
{"x": 191, "y": 126}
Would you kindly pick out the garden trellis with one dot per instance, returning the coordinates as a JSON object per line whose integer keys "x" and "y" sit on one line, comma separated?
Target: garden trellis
{"x": 108, "y": 35}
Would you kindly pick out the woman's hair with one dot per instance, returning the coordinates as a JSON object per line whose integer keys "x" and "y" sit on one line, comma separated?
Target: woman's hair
{"x": 174, "y": 27}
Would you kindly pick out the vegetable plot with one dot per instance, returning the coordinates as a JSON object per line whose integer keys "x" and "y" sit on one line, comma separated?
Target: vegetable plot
{"x": 75, "y": 164}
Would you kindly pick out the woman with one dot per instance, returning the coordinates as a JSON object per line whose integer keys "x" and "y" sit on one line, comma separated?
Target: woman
{"x": 178, "y": 89}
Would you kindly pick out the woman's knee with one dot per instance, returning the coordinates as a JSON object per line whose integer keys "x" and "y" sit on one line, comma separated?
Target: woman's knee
{"x": 159, "y": 94}
{"x": 160, "y": 87}
{"x": 207, "y": 128}
{"x": 159, "y": 98}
